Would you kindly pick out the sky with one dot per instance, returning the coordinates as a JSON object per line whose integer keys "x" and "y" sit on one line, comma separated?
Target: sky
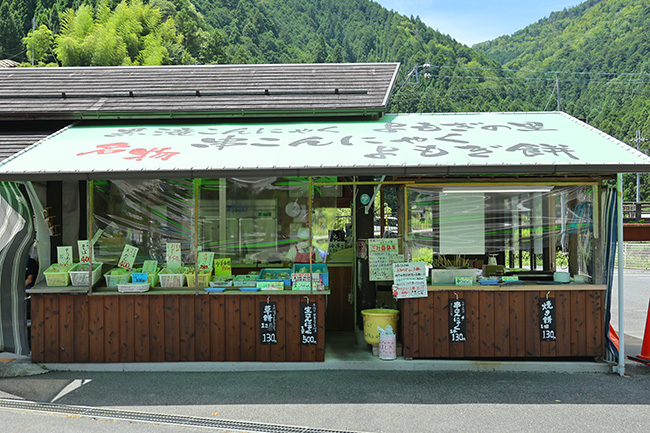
{"x": 473, "y": 21}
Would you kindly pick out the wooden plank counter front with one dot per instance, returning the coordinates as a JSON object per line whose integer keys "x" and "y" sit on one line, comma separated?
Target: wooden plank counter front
{"x": 179, "y": 327}
{"x": 504, "y": 322}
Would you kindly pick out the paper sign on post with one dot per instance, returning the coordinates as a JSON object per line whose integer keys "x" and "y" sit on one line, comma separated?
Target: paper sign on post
{"x": 174, "y": 255}
{"x": 149, "y": 266}
{"x": 64, "y": 255}
{"x": 84, "y": 251}
{"x": 128, "y": 257}
{"x": 205, "y": 261}
{"x": 380, "y": 258}
{"x": 398, "y": 258}
{"x": 222, "y": 268}
{"x": 410, "y": 280}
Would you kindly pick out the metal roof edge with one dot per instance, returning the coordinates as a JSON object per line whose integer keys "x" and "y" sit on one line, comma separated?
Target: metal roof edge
{"x": 444, "y": 170}
{"x": 605, "y": 135}
{"x": 391, "y": 86}
{"x": 208, "y": 115}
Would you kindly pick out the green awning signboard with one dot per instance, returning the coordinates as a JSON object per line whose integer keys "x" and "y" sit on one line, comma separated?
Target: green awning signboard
{"x": 403, "y": 144}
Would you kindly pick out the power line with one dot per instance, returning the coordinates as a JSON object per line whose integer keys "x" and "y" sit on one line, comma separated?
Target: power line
{"x": 566, "y": 80}
{"x": 16, "y": 55}
{"x": 541, "y": 72}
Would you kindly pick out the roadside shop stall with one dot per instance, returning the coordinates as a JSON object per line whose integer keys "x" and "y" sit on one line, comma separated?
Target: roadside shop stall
{"x": 522, "y": 203}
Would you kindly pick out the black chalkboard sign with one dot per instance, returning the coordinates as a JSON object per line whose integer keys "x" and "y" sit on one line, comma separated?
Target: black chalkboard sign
{"x": 457, "y": 321}
{"x": 308, "y": 325}
{"x": 268, "y": 323}
{"x": 547, "y": 319}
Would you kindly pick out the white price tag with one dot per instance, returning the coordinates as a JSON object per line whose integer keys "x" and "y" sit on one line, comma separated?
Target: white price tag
{"x": 84, "y": 251}
{"x": 64, "y": 255}
{"x": 128, "y": 257}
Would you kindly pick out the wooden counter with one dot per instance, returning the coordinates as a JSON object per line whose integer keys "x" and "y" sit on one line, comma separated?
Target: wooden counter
{"x": 169, "y": 327}
{"x": 504, "y": 322}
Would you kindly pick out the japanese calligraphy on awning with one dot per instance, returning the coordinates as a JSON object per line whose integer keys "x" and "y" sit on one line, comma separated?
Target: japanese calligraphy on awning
{"x": 479, "y": 143}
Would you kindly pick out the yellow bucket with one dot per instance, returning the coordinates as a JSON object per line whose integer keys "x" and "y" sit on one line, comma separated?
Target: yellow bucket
{"x": 378, "y": 317}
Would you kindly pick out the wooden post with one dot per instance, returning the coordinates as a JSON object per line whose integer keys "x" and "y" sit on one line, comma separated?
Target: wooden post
{"x": 366, "y": 290}
{"x": 54, "y": 200}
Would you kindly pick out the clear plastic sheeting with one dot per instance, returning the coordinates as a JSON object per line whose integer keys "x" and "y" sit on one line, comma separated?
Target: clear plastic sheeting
{"x": 146, "y": 214}
{"x": 249, "y": 220}
{"x": 275, "y": 220}
{"x": 533, "y": 227}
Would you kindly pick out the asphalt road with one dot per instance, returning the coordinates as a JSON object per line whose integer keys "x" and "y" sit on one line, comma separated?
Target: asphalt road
{"x": 636, "y": 297}
{"x": 367, "y": 401}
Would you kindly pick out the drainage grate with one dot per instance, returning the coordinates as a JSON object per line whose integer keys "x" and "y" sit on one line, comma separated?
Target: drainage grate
{"x": 155, "y": 418}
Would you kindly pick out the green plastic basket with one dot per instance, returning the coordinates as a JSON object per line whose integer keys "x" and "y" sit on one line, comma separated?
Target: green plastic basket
{"x": 112, "y": 280}
{"x": 152, "y": 279}
{"x": 57, "y": 275}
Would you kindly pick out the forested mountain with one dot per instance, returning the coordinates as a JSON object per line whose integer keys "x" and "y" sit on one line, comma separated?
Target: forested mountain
{"x": 597, "y": 54}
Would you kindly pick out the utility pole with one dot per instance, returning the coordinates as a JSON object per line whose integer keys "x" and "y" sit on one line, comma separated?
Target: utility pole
{"x": 638, "y": 140}
{"x": 33, "y": 39}
{"x": 557, "y": 88}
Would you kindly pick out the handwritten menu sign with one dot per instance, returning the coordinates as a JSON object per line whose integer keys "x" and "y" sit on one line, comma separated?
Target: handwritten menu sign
{"x": 268, "y": 323}
{"x": 380, "y": 258}
{"x": 222, "y": 268}
{"x": 128, "y": 257}
{"x": 150, "y": 266}
{"x": 64, "y": 255}
{"x": 410, "y": 280}
{"x": 457, "y": 320}
{"x": 308, "y": 325}
{"x": 174, "y": 255}
{"x": 302, "y": 281}
{"x": 547, "y": 319}
{"x": 335, "y": 246}
{"x": 205, "y": 261}
{"x": 84, "y": 251}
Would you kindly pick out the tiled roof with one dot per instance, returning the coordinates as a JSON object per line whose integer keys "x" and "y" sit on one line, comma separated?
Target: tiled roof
{"x": 14, "y": 143}
{"x": 210, "y": 91}
{"x": 6, "y": 63}
{"x": 15, "y": 136}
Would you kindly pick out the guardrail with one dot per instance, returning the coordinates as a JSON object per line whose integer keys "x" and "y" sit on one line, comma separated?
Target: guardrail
{"x": 636, "y": 255}
{"x": 636, "y": 211}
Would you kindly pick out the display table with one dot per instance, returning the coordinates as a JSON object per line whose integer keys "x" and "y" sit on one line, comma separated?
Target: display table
{"x": 71, "y": 326}
{"x": 505, "y": 322}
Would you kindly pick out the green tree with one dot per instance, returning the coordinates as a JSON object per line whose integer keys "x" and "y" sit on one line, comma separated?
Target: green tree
{"x": 131, "y": 34}
{"x": 320, "y": 53}
{"x": 214, "y": 49}
{"x": 336, "y": 55}
{"x": 39, "y": 44}
{"x": 12, "y": 22}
